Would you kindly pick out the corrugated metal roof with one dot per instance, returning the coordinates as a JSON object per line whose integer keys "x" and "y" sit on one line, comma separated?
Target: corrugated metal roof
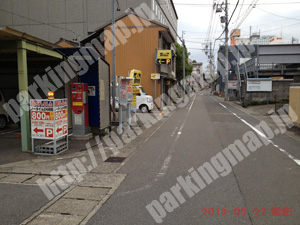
{"x": 9, "y": 34}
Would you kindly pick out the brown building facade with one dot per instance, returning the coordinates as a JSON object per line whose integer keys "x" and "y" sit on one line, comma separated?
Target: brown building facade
{"x": 137, "y": 40}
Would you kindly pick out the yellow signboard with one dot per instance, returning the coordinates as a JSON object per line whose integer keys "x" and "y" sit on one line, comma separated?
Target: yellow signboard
{"x": 164, "y": 61}
{"x": 164, "y": 54}
{"x": 137, "y": 76}
{"x": 135, "y": 92}
{"x": 155, "y": 76}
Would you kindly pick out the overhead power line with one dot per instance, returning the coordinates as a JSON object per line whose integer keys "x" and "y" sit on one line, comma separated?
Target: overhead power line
{"x": 247, "y": 12}
{"x": 265, "y": 31}
{"x": 37, "y": 21}
{"x": 194, "y": 42}
{"x": 209, "y": 5}
{"x": 238, "y": 16}
{"x": 277, "y": 14}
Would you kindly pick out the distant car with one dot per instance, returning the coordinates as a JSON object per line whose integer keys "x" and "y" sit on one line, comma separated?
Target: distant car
{"x": 144, "y": 102}
{"x": 3, "y": 114}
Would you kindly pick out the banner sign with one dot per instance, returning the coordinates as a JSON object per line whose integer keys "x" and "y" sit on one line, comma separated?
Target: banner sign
{"x": 49, "y": 118}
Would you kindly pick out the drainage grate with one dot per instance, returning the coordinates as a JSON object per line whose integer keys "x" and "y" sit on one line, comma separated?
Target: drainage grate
{"x": 115, "y": 159}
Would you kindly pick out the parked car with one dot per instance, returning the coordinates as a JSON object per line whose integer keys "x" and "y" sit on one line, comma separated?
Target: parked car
{"x": 144, "y": 102}
{"x": 3, "y": 114}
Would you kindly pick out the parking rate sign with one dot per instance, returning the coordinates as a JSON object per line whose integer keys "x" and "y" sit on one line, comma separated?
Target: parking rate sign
{"x": 49, "y": 118}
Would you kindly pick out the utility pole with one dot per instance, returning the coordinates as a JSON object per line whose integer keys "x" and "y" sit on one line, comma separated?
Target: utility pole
{"x": 114, "y": 58}
{"x": 211, "y": 61}
{"x": 226, "y": 50}
{"x": 113, "y": 61}
{"x": 183, "y": 63}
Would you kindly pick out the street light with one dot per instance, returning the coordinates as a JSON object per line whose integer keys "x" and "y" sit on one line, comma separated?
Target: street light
{"x": 113, "y": 57}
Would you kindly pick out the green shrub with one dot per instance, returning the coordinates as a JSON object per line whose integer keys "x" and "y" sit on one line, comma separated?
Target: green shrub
{"x": 244, "y": 105}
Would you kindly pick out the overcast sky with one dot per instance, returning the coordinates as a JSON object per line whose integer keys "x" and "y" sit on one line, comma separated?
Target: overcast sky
{"x": 195, "y": 18}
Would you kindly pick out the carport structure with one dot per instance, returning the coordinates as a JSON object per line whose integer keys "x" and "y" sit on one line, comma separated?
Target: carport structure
{"x": 15, "y": 49}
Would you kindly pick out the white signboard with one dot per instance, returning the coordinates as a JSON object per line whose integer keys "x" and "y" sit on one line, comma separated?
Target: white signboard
{"x": 49, "y": 118}
{"x": 259, "y": 85}
{"x": 78, "y": 119}
{"x": 91, "y": 90}
{"x": 155, "y": 76}
{"x": 232, "y": 84}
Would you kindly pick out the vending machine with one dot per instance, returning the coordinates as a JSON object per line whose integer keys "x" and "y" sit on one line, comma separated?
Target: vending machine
{"x": 80, "y": 109}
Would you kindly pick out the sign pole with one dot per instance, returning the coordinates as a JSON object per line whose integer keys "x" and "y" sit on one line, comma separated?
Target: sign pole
{"x": 155, "y": 81}
{"x": 155, "y": 96}
{"x": 128, "y": 115}
{"x": 120, "y": 107}
{"x": 120, "y": 118}
{"x": 162, "y": 57}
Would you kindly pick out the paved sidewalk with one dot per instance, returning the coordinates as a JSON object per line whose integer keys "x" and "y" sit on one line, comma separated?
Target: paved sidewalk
{"x": 77, "y": 203}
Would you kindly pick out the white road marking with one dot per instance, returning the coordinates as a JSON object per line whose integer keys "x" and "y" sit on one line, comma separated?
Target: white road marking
{"x": 223, "y": 105}
{"x": 174, "y": 131}
{"x": 286, "y": 153}
{"x": 253, "y": 128}
{"x": 192, "y": 104}
{"x": 167, "y": 161}
{"x": 264, "y": 136}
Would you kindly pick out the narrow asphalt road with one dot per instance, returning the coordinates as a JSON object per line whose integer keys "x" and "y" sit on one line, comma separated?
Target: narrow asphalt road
{"x": 265, "y": 179}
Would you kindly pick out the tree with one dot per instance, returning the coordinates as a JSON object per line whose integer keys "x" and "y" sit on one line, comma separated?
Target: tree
{"x": 179, "y": 62}
{"x": 194, "y": 61}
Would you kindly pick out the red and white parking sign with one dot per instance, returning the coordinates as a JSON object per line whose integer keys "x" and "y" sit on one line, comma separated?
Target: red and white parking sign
{"x": 49, "y": 118}
{"x": 49, "y": 133}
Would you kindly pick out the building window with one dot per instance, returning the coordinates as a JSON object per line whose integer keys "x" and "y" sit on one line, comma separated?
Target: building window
{"x": 173, "y": 64}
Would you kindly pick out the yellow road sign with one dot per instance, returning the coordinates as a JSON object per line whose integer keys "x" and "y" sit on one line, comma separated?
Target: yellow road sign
{"x": 164, "y": 61}
{"x": 164, "y": 54}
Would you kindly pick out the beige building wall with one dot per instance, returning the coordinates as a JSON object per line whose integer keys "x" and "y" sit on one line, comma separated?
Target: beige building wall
{"x": 137, "y": 53}
{"x": 295, "y": 102}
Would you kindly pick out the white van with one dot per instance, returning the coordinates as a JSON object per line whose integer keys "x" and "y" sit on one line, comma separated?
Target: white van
{"x": 3, "y": 113}
{"x": 144, "y": 102}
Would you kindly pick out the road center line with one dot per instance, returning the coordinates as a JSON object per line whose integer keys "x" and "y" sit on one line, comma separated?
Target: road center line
{"x": 192, "y": 104}
{"x": 167, "y": 161}
{"x": 174, "y": 131}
